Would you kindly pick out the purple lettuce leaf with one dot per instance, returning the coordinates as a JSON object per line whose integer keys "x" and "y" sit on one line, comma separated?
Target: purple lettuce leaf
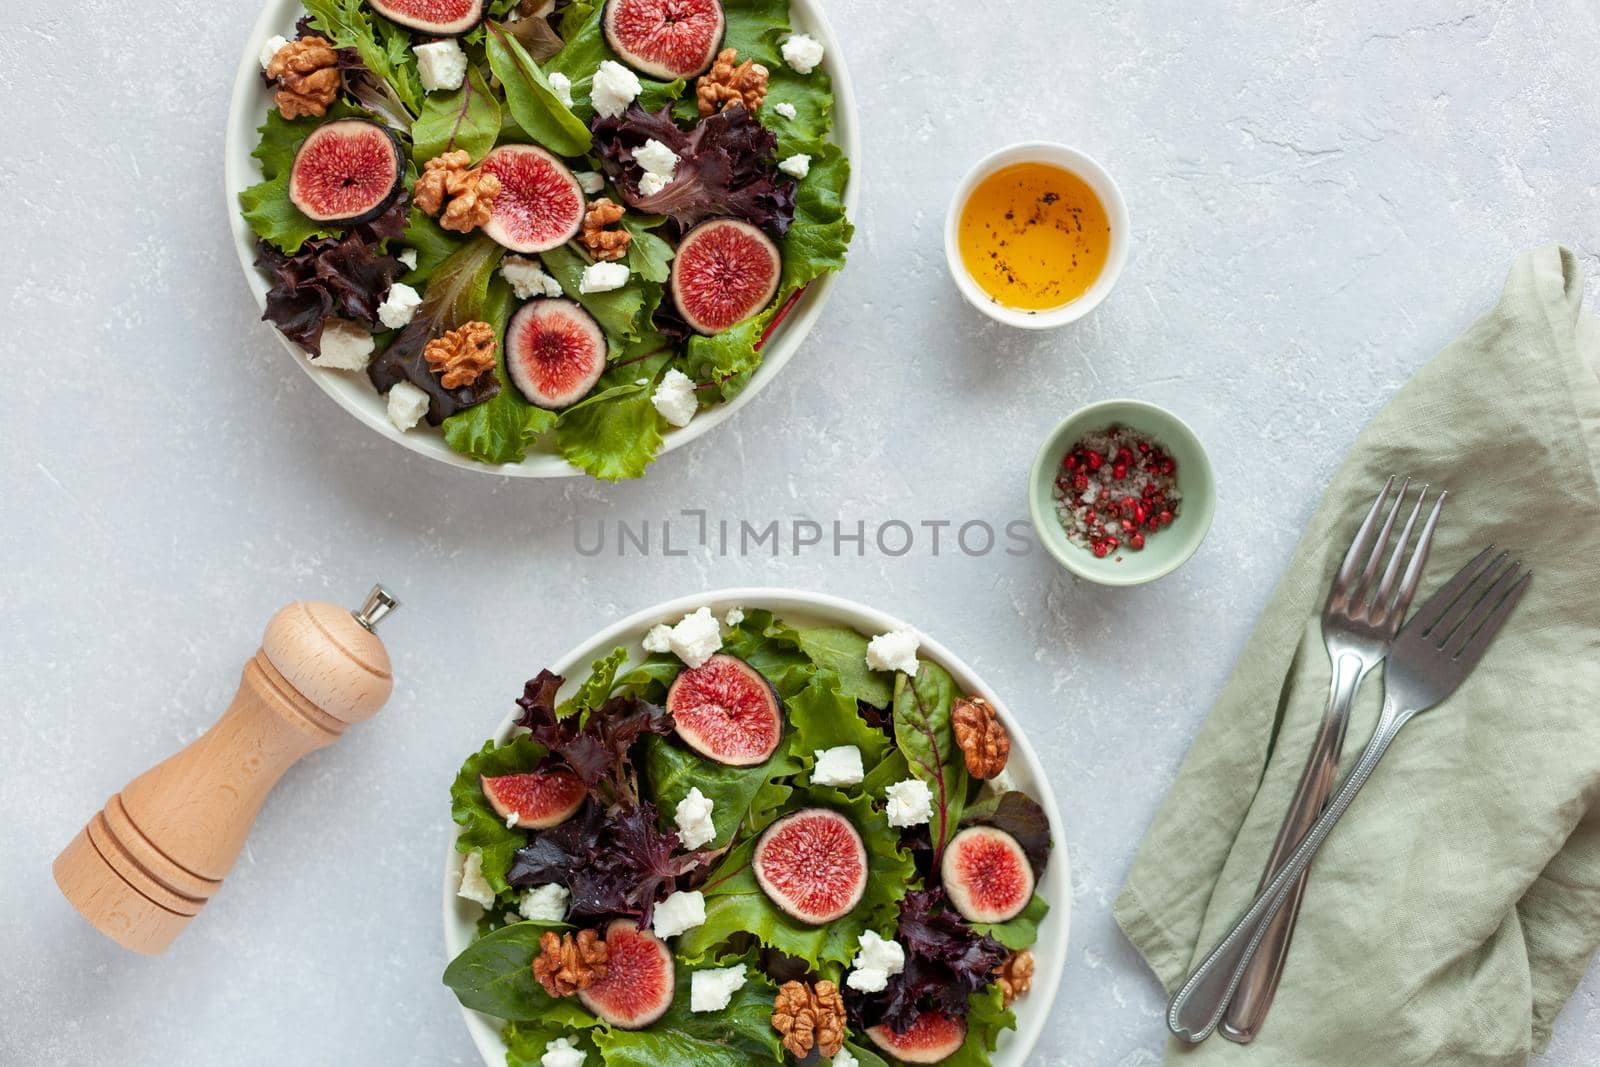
{"x": 599, "y": 746}
{"x": 946, "y": 962}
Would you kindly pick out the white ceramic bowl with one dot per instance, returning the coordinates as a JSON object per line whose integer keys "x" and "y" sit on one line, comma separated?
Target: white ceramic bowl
{"x": 1058, "y": 155}
{"x": 354, "y": 392}
{"x": 796, "y": 606}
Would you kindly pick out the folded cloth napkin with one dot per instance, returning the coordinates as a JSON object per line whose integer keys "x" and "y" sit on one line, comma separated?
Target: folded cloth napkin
{"x": 1456, "y": 906}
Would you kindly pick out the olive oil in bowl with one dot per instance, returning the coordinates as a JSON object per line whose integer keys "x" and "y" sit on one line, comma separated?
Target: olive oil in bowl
{"x": 1034, "y": 236}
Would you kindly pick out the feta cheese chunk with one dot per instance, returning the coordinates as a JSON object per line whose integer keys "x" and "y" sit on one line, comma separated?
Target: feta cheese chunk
{"x": 713, "y": 988}
{"x": 603, "y": 277}
{"x": 798, "y": 165}
{"x": 651, "y": 184}
{"x": 273, "y": 46}
{"x": 590, "y": 181}
{"x": 693, "y": 818}
{"x": 802, "y": 52}
{"x": 894, "y": 651}
{"x": 512, "y": 820}
{"x": 679, "y": 912}
{"x": 785, "y": 109}
{"x": 910, "y": 803}
{"x": 441, "y": 64}
{"x": 345, "y": 346}
{"x": 545, "y": 902}
{"x": 407, "y": 258}
{"x": 876, "y": 962}
{"x": 675, "y": 398}
{"x": 561, "y": 85}
{"x": 845, "y": 1058}
{"x": 562, "y": 1053}
{"x": 399, "y": 306}
{"x": 613, "y": 89}
{"x": 838, "y": 766}
{"x": 407, "y": 404}
{"x": 658, "y": 639}
{"x": 656, "y": 158}
{"x": 734, "y": 616}
{"x": 474, "y": 886}
{"x": 528, "y": 278}
{"x": 696, "y": 637}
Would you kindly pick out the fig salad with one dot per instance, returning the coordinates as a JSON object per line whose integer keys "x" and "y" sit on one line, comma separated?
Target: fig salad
{"x": 749, "y": 847}
{"x": 560, "y": 227}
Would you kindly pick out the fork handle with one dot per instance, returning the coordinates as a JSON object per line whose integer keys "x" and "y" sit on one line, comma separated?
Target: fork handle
{"x": 1259, "y": 982}
{"x": 1197, "y": 1007}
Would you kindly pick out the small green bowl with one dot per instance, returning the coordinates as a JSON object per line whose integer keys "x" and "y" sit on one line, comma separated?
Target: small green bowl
{"x": 1165, "y": 550}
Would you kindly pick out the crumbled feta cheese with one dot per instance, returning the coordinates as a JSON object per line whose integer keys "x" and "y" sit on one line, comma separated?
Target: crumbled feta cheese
{"x": 798, "y": 165}
{"x": 562, "y": 86}
{"x": 785, "y": 109}
{"x": 675, "y": 398}
{"x": 845, "y": 1058}
{"x": 658, "y": 639}
{"x": 656, "y": 158}
{"x": 273, "y": 46}
{"x": 407, "y": 258}
{"x": 399, "y": 306}
{"x": 441, "y": 64}
{"x": 696, "y": 637}
{"x": 603, "y": 277}
{"x": 802, "y": 52}
{"x": 512, "y": 820}
{"x": 713, "y": 988}
{"x": 474, "y": 886}
{"x": 545, "y": 902}
{"x": 910, "y": 803}
{"x": 528, "y": 278}
{"x": 693, "y": 817}
{"x": 590, "y": 181}
{"x": 651, "y": 184}
{"x": 679, "y": 912}
{"x": 407, "y": 404}
{"x": 734, "y": 616}
{"x": 613, "y": 89}
{"x": 562, "y": 1053}
{"x": 345, "y": 346}
{"x": 838, "y": 766}
{"x": 894, "y": 651}
{"x": 876, "y": 962}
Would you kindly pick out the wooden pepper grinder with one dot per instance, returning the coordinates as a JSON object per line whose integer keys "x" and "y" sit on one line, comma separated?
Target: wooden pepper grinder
{"x": 148, "y": 862}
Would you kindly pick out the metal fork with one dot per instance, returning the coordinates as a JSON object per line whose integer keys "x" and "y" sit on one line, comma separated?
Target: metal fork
{"x": 1362, "y": 615}
{"x": 1432, "y": 655}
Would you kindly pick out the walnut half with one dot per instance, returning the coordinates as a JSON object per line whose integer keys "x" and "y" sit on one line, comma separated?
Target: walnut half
{"x": 567, "y": 963}
{"x": 1015, "y": 975}
{"x": 464, "y": 194}
{"x": 726, "y": 84}
{"x": 306, "y": 73}
{"x": 984, "y": 742}
{"x": 604, "y": 244}
{"x": 809, "y": 1017}
{"x": 462, "y": 355}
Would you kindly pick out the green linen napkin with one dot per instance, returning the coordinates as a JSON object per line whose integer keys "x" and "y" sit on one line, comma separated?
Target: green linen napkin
{"x": 1456, "y": 906}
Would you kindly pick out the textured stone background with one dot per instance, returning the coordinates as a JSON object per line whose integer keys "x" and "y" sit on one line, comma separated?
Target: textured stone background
{"x": 1322, "y": 195}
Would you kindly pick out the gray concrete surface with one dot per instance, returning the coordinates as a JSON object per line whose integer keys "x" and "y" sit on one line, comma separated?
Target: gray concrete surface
{"x": 1322, "y": 195}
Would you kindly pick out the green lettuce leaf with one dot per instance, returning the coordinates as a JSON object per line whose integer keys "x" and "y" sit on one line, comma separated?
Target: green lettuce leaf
{"x": 273, "y": 217}
{"x": 650, "y": 679}
{"x": 466, "y": 120}
{"x": 595, "y": 688}
{"x": 824, "y": 717}
{"x": 736, "y": 1036}
{"x": 526, "y": 1041}
{"x": 433, "y": 243}
{"x": 649, "y": 257}
{"x": 772, "y": 648}
{"x": 671, "y": 771}
{"x": 923, "y": 733}
{"x": 481, "y": 828}
{"x": 531, "y": 100}
{"x": 613, "y": 434}
{"x": 494, "y": 975}
{"x": 585, "y": 50}
{"x": 619, "y": 312}
{"x": 987, "y": 1015}
{"x": 1021, "y": 932}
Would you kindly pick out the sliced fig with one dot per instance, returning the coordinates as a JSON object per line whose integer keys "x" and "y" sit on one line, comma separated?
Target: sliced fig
{"x": 555, "y": 352}
{"x": 539, "y": 800}
{"x": 726, "y": 711}
{"x": 986, "y": 875}
{"x": 436, "y": 18}
{"x": 639, "y": 981}
{"x": 933, "y": 1038}
{"x": 812, "y": 864}
{"x": 724, "y": 271}
{"x": 540, "y": 203}
{"x": 665, "y": 39}
{"x": 347, "y": 171}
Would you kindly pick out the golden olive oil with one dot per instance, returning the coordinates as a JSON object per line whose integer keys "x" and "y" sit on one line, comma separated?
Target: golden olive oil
{"x": 1034, "y": 236}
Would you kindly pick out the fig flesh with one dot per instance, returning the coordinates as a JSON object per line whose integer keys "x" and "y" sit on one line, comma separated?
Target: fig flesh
{"x": 665, "y": 39}
{"x": 555, "y": 352}
{"x": 986, "y": 875}
{"x": 436, "y": 18}
{"x": 639, "y": 981}
{"x": 726, "y": 711}
{"x": 540, "y": 204}
{"x": 933, "y": 1038}
{"x": 812, "y": 864}
{"x": 539, "y": 800}
{"x": 724, "y": 271}
{"x": 347, "y": 171}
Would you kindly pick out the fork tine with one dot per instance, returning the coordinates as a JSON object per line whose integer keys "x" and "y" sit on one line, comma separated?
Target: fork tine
{"x": 1381, "y": 598}
{"x": 1437, "y": 604}
{"x": 1454, "y": 641}
{"x": 1419, "y": 558}
{"x": 1364, "y": 588}
{"x": 1358, "y": 546}
{"x": 1482, "y": 636}
{"x": 1440, "y": 632}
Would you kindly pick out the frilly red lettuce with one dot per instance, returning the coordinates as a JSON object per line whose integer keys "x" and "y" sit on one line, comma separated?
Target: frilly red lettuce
{"x": 726, "y": 167}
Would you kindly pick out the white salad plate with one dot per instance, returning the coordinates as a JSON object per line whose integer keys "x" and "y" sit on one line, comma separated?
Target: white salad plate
{"x": 355, "y": 393}
{"x": 804, "y": 609}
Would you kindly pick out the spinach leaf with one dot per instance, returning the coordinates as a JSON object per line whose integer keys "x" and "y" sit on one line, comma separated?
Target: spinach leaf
{"x": 535, "y": 106}
{"x": 672, "y": 771}
{"x": 494, "y": 975}
{"x": 923, "y": 733}
{"x": 1021, "y": 932}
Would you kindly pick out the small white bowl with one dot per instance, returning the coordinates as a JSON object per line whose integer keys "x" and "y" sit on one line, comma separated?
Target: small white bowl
{"x": 1056, "y": 155}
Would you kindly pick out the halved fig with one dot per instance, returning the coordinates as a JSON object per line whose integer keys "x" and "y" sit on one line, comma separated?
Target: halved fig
{"x": 540, "y": 204}
{"x": 639, "y": 981}
{"x": 539, "y": 800}
{"x": 726, "y": 711}
{"x": 347, "y": 171}
{"x": 934, "y": 1037}
{"x": 813, "y": 865}
{"x": 436, "y": 18}
{"x": 724, "y": 271}
{"x": 555, "y": 352}
{"x": 986, "y": 875}
{"x": 665, "y": 39}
